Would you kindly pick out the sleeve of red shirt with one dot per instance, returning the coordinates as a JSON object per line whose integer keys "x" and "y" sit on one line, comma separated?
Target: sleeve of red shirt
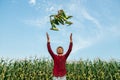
{"x": 69, "y": 50}
{"x": 50, "y": 50}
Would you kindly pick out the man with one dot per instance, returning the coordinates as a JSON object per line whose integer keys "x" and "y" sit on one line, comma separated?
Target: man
{"x": 59, "y": 70}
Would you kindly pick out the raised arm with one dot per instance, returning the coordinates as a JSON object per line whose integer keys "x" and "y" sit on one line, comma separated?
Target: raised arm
{"x": 49, "y": 47}
{"x": 70, "y": 47}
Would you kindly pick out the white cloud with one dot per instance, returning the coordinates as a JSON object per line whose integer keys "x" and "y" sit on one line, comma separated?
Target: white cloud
{"x": 52, "y": 8}
{"x": 38, "y": 22}
{"x": 32, "y": 2}
{"x": 80, "y": 44}
{"x": 91, "y": 18}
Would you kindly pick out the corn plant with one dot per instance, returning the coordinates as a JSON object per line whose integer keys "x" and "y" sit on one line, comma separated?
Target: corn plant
{"x": 41, "y": 69}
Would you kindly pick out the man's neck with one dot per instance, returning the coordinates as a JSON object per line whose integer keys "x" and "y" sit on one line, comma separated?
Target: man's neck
{"x": 59, "y": 54}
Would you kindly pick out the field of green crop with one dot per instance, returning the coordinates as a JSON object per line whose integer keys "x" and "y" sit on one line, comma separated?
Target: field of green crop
{"x": 41, "y": 69}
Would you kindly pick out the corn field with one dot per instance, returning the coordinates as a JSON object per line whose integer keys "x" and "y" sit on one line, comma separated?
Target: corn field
{"x": 41, "y": 69}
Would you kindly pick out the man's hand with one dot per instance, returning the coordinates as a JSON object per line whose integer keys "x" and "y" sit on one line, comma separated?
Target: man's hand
{"x": 71, "y": 37}
{"x": 48, "y": 38}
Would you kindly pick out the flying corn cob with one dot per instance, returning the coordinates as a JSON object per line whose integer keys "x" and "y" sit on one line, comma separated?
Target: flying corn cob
{"x": 58, "y": 19}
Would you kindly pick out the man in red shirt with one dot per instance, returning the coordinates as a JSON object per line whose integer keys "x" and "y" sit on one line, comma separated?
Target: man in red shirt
{"x": 59, "y": 70}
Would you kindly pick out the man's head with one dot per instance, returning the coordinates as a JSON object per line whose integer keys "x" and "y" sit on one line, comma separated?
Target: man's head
{"x": 60, "y": 50}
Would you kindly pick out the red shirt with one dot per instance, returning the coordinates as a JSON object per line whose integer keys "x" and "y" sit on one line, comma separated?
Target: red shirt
{"x": 59, "y": 61}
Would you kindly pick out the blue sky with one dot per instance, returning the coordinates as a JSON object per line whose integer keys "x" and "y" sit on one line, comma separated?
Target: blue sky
{"x": 96, "y": 28}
